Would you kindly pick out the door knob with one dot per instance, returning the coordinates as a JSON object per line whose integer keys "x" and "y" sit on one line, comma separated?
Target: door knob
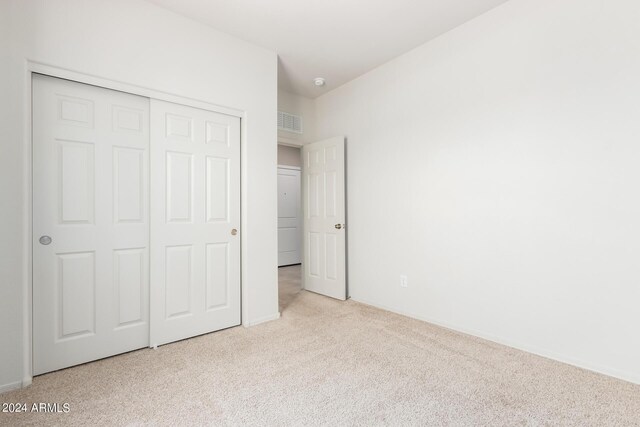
{"x": 234, "y": 232}
{"x": 45, "y": 240}
{"x": 338, "y": 226}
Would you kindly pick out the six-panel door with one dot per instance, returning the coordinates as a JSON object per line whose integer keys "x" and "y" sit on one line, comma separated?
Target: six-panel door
{"x": 119, "y": 257}
{"x": 90, "y": 223}
{"x": 324, "y": 247}
{"x": 195, "y": 222}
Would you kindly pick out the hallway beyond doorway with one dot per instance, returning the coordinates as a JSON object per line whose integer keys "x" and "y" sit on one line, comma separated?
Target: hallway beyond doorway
{"x": 289, "y": 285}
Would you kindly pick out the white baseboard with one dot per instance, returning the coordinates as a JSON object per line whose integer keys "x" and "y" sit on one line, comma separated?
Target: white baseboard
{"x": 263, "y": 319}
{"x": 11, "y": 386}
{"x": 606, "y": 370}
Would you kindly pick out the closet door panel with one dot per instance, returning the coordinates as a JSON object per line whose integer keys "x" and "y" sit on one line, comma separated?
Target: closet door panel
{"x": 90, "y": 223}
{"x": 195, "y": 222}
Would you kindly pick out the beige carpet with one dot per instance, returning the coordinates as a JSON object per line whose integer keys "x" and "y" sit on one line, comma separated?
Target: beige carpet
{"x": 330, "y": 363}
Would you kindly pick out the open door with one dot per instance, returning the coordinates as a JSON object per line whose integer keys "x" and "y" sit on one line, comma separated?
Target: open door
{"x": 323, "y": 183}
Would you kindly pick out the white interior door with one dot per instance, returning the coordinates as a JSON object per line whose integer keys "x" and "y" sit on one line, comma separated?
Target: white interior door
{"x": 90, "y": 223}
{"x": 195, "y": 221}
{"x": 289, "y": 224}
{"x": 324, "y": 266}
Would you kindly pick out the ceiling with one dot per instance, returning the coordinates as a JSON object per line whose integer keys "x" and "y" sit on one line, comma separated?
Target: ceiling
{"x": 335, "y": 39}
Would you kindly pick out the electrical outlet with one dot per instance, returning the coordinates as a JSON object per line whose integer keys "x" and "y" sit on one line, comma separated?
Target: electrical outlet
{"x": 404, "y": 281}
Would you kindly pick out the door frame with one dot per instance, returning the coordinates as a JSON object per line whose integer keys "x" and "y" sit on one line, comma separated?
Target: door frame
{"x": 296, "y": 144}
{"x": 34, "y": 67}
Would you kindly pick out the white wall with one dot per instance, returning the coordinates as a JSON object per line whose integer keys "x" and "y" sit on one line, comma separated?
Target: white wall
{"x": 301, "y": 106}
{"x": 11, "y": 249}
{"x": 134, "y": 42}
{"x": 289, "y": 156}
{"x": 498, "y": 167}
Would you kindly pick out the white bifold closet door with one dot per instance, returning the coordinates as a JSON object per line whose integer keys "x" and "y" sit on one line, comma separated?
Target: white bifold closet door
{"x": 195, "y": 221}
{"x": 90, "y": 223}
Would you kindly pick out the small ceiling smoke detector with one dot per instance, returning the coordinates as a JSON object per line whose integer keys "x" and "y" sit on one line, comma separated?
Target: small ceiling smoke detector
{"x": 319, "y": 81}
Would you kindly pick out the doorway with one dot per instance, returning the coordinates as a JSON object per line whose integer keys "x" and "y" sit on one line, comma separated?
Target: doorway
{"x": 289, "y": 224}
{"x": 312, "y": 220}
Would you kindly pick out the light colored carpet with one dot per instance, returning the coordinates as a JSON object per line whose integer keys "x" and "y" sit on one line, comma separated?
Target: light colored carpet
{"x": 330, "y": 363}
